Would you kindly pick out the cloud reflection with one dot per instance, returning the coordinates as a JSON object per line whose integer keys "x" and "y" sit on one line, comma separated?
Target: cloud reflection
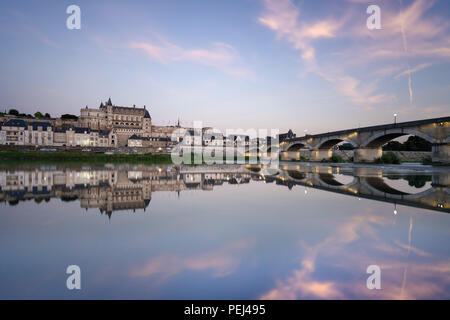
{"x": 220, "y": 262}
{"x": 407, "y": 272}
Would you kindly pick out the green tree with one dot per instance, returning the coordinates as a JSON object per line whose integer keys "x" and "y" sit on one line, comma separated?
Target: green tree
{"x": 69, "y": 117}
{"x": 346, "y": 146}
{"x": 13, "y": 112}
{"x": 418, "y": 181}
{"x": 38, "y": 115}
{"x": 417, "y": 144}
{"x": 393, "y": 146}
{"x": 413, "y": 143}
{"x": 389, "y": 158}
{"x": 47, "y": 115}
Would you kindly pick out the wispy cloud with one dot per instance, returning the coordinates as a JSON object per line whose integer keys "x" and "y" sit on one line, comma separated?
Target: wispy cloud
{"x": 413, "y": 70}
{"x": 363, "y": 95}
{"x": 219, "y": 55}
{"x": 282, "y": 16}
{"x": 408, "y": 33}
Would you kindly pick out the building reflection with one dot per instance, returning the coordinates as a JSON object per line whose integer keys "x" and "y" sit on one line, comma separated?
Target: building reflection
{"x": 111, "y": 188}
{"x": 129, "y": 187}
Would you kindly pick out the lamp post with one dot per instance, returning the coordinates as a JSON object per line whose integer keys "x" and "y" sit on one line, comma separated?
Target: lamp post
{"x": 395, "y": 118}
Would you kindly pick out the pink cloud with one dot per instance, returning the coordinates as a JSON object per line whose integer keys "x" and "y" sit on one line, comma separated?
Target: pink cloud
{"x": 220, "y": 55}
{"x": 282, "y": 16}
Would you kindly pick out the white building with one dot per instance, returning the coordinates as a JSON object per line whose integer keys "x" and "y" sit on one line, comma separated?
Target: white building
{"x": 39, "y": 134}
{"x": 18, "y": 132}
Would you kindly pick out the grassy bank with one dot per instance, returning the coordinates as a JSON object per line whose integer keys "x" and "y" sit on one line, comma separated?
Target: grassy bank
{"x": 83, "y": 157}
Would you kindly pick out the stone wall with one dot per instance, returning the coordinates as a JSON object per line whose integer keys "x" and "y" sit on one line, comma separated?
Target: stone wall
{"x": 411, "y": 155}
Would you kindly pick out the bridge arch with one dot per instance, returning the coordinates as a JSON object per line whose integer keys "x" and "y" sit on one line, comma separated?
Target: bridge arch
{"x": 330, "y": 181}
{"x": 296, "y": 175}
{"x": 332, "y": 141}
{"x": 380, "y": 139}
{"x": 253, "y": 168}
{"x": 296, "y": 146}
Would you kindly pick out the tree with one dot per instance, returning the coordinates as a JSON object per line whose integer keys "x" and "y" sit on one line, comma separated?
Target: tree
{"x": 346, "y": 146}
{"x": 69, "y": 117}
{"x": 47, "y": 115}
{"x": 418, "y": 181}
{"x": 38, "y": 115}
{"x": 393, "y": 146}
{"x": 415, "y": 143}
{"x": 13, "y": 112}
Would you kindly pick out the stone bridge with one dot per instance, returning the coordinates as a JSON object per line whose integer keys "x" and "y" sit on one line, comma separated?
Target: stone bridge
{"x": 368, "y": 141}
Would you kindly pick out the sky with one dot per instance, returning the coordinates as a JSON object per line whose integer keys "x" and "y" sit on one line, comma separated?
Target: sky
{"x": 263, "y": 64}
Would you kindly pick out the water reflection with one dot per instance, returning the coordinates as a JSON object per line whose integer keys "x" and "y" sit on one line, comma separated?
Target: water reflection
{"x": 215, "y": 232}
{"x": 114, "y": 188}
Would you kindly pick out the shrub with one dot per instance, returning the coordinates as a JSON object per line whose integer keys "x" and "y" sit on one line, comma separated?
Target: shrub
{"x": 336, "y": 158}
{"x": 427, "y": 160}
{"x": 389, "y": 158}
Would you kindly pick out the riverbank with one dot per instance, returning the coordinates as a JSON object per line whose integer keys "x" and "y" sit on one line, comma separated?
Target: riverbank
{"x": 83, "y": 157}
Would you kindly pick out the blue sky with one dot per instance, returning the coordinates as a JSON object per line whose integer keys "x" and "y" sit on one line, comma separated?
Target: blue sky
{"x": 232, "y": 64}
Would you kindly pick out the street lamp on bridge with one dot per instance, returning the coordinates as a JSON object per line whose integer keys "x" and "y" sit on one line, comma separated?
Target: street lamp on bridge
{"x": 395, "y": 118}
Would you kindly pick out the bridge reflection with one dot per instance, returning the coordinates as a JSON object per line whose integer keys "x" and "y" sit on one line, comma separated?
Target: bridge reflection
{"x": 365, "y": 182}
{"x": 130, "y": 187}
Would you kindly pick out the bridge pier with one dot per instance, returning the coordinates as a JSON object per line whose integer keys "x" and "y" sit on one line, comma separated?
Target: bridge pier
{"x": 290, "y": 155}
{"x": 320, "y": 154}
{"x": 441, "y": 154}
{"x": 295, "y": 155}
{"x": 441, "y": 180}
{"x": 367, "y": 154}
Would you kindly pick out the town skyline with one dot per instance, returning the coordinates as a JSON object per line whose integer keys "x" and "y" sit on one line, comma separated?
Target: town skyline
{"x": 235, "y": 64}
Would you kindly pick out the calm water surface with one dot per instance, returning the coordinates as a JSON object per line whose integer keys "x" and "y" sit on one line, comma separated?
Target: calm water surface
{"x": 224, "y": 232}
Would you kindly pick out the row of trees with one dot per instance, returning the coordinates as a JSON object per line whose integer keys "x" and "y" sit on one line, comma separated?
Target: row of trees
{"x": 413, "y": 143}
{"x": 38, "y": 115}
